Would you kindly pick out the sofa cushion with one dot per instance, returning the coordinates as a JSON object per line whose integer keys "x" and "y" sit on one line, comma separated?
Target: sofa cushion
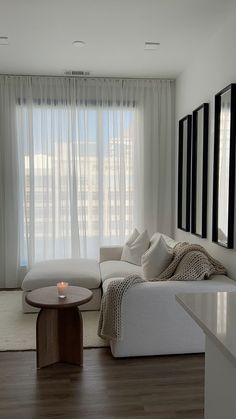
{"x": 80, "y": 272}
{"x": 118, "y": 268}
{"x": 156, "y": 259}
{"x": 133, "y": 250}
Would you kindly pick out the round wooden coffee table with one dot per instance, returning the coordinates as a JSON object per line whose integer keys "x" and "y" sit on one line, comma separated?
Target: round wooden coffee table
{"x": 59, "y": 329}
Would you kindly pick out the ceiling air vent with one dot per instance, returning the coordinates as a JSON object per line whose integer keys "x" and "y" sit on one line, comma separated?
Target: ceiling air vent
{"x": 151, "y": 45}
{"x": 77, "y": 73}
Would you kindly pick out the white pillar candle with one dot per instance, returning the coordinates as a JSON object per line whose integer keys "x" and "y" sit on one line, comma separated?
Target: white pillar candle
{"x": 61, "y": 288}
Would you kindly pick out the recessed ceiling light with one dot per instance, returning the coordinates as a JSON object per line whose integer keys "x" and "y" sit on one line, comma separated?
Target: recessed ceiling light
{"x": 4, "y": 40}
{"x": 151, "y": 45}
{"x": 78, "y": 44}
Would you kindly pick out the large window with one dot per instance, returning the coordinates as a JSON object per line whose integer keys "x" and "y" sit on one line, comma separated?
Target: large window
{"x": 76, "y": 178}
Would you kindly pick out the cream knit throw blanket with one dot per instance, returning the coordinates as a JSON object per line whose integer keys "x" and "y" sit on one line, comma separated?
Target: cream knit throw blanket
{"x": 110, "y": 321}
{"x": 191, "y": 262}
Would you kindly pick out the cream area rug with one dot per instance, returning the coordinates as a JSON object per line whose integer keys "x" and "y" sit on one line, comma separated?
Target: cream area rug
{"x": 17, "y": 330}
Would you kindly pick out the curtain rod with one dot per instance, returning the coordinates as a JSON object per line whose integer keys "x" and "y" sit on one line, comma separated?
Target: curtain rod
{"x": 88, "y": 77}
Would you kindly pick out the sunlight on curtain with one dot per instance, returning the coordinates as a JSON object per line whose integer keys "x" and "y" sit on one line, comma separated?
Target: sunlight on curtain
{"x": 76, "y": 179}
{"x": 83, "y": 161}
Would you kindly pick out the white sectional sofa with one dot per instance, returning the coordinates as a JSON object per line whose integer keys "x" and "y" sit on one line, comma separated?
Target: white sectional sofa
{"x": 153, "y": 322}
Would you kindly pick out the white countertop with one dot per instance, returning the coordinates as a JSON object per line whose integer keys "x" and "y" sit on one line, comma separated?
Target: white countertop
{"x": 215, "y": 313}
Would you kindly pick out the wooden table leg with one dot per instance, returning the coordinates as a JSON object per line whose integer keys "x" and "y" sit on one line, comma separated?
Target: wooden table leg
{"x": 59, "y": 336}
{"x": 71, "y": 336}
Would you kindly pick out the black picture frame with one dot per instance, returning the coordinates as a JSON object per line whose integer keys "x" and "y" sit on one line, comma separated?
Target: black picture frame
{"x": 200, "y": 128}
{"x": 224, "y": 151}
{"x": 184, "y": 173}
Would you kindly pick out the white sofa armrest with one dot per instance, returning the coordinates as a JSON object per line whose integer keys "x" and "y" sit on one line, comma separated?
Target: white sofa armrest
{"x": 110, "y": 253}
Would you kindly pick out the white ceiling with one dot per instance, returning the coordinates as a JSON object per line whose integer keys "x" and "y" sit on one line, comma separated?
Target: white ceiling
{"x": 41, "y": 33}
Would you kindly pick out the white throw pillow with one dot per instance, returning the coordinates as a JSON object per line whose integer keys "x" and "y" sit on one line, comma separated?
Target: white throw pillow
{"x": 156, "y": 259}
{"x": 133, "y": 250}
{"x": 126, "y": 249}
{"x": 169, "y": 241}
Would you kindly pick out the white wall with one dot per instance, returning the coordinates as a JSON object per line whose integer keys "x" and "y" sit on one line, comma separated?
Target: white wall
{"x": 211, "y": 70}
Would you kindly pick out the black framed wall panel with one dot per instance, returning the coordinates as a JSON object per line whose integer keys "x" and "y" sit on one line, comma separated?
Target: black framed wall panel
{"x": 200, "y": 123}
{"x": 224, "y": 167}
{"x": 184, "y": 173}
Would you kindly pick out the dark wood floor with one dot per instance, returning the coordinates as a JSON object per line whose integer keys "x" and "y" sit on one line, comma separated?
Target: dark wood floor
{"x": 164, "y": 387}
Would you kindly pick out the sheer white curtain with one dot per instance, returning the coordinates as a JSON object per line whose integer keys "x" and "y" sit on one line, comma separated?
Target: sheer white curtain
{"x": 82, "y": 162}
